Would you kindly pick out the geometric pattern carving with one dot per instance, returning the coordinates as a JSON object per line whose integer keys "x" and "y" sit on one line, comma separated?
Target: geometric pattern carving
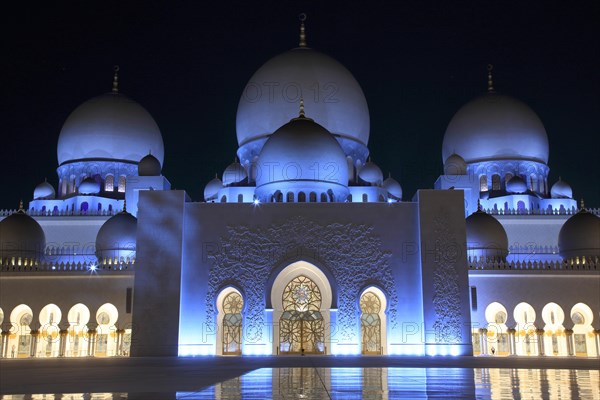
{"x": 351, "y": 252}
{"x": 446, "y": 291}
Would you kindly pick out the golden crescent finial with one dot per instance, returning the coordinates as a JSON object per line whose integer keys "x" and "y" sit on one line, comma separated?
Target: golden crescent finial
{"x": 115, "y": 86}
{"x": 490, "y": 67}
{"x": 302, "y": 18}
{"x": 21, "y": 205}
{"x": 582, "y": 206}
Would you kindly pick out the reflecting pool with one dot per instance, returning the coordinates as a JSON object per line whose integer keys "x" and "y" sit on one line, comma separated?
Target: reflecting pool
{"x": 380, "y": 383}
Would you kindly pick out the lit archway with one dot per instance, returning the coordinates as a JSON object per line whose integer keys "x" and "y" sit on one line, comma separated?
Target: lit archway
{"x": 78, "y": 317}
{"x": 554, "y": 330}
{"x": 497, "y": 340}
{"x": 583, "y": 332}
{"x": 525, "y": 336}
{"x": 19, "y": 342}
{"x": 372, "y": 321}
{"x": 301, "y": 298}
{"x": 106, "y": 336}
{"x": 49, "y": 318}
{"x": 230, "y": 304}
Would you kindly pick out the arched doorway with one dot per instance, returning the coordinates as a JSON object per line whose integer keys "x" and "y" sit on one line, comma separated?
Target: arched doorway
{"x": 232, "y": 324}
{"x": 372, "y": 321}
{"x": 301, "y": 328}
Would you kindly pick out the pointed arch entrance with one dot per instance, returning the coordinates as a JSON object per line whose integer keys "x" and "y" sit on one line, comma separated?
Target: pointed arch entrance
{"x": 301, "y": 297}
{"x": 372, "y": 305}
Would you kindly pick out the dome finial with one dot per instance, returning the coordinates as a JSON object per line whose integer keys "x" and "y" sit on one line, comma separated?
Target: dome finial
{"x": 582, "y": 205}
{"x": 301, "y": 114}
{"x": 21, "y": 206}
{"x": 115, "y": 87}
{"x": 479, "y": 206}
{"x": 125, "y": 205}
{"x": 302, "y": 18}
{"x": 490, "y": 67}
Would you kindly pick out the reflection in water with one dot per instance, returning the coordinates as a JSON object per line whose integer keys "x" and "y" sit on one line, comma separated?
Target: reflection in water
{"x": 381, "y": 384}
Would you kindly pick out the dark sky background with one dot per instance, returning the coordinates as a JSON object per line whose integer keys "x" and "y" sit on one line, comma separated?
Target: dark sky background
{"x": 187, "y": 63}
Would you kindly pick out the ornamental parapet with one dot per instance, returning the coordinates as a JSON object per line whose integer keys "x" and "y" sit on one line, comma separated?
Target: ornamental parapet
{"x": 588, "y": 265}
{"x": 7, "y": 265}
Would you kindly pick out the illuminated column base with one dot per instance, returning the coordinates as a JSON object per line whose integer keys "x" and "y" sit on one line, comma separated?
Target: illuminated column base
{"x": 597, "y": 337}
{"x": 91, "y": 350}
{"x": 540, "y": 339}
{"x": 570, "y": 344}
{"x": 34, "y": 342}
{"x": 511, "y": 341}
{"x": 62, "y": 344}
{"x": 484, "y": 340}
{"x": 120, "y": 333}
{"x": 4, "y": 344}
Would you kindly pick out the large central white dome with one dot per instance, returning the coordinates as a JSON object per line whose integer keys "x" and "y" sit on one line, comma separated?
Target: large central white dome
{"x": 496, "y": 127}
{"x": 332, "y": 97}
{"x": 111, "y": 127}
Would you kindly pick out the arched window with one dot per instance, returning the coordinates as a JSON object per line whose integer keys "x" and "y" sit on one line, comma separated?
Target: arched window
{"x": 301, "y": 327}
{"x": 224, "y": 199}
{"x": 324, "y": 197}
{"x": 290, "y": 197}
{"x": 349, "y": 198}
{"x": 365, "y": 198}
{"x": 521, "y": 207}
{"x": 55, "y": 210}
{"x": 122, "y": 183}
{"x": 370, "y": 323}
{"x": 381, "y": 198}
{"x": 495, "y": 182}
{"x": 84, "y": 207}
{"x": 483, "y": 185}
{"x": 109, "y": 183}
{"x": 99, "y": 207}
{"x": 232, "y": 323}
{"x": 240, "y": 198}
{"x": 301, "y": 197}
{"x": 507, "y": 178}
{"x": 312, "y": 197}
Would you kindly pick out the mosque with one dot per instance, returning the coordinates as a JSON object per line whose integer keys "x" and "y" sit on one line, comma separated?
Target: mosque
{"x": 301, "y": 246}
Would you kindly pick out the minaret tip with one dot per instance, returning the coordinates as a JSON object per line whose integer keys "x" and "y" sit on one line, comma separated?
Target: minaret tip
{"x": 490, "y": 82}
{"x": 301, "y": 113}
{"x": 115, "y": 85}
{"x": 302, "y": 18}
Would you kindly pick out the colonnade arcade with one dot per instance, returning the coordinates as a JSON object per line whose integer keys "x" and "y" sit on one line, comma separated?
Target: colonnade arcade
{"x": 51, "y": 333}
{"x": 553, "y": 333}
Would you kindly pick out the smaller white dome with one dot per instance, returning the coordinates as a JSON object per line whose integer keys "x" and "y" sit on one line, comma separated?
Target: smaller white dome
{"x": 117, "y": 238}
{"x": 516, "y": 184}
{"x": 234, "y": 173}
{"x": 89, "y": 186}
{"x": 149, "y": 166}
{"x": 21, "y": 236}
{"x": 486, "y": 237}
{"x": 580, "y": 236}
{"x": 393, "y": 188}
{"x": 561, "y": 190}
{"x": 211, "y": 190}
{"x": 44, "y": 191}
{"x": 455, "y": 165}
{"x": 370, "y": 173}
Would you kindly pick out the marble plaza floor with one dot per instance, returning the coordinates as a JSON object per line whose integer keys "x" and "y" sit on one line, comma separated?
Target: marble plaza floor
{"x": 291, "y": 377}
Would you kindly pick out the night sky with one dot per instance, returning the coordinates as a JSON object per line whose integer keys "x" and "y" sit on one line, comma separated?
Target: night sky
{"x": 187, "y": 64}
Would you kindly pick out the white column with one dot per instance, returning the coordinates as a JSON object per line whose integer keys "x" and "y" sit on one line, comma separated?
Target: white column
{"x": 570, "y": 344}
{"x": 540, "y": 338}
{"x": 4, "y": 344}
